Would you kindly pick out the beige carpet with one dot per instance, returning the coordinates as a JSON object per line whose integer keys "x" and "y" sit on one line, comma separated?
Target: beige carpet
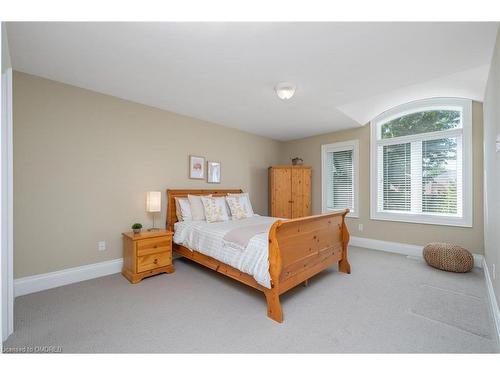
{"x": 390, "y": 303}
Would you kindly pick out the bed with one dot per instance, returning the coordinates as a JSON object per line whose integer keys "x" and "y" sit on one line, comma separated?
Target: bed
{"x": 297, "y": 249}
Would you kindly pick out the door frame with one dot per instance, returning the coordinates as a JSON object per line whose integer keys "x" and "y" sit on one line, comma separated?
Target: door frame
{"x": 6, "y": 218}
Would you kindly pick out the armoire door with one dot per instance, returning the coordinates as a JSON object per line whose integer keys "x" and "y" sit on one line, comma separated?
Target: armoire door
{"x": 281, "y": 192}
{"x": 301, "y": 192}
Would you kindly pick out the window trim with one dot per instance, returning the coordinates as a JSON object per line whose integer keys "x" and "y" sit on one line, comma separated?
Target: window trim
{"x": 465, "y": 105}
{"x": 334, "y": 147}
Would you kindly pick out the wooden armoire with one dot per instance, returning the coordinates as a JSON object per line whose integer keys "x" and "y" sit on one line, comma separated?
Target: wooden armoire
{"x": 289, "y": 191}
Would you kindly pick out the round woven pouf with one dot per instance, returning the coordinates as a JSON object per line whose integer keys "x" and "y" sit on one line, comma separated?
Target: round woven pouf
{"x": 448, "y": 257}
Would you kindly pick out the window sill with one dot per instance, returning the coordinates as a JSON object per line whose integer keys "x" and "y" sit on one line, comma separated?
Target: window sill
{"x": 423, "y": 219}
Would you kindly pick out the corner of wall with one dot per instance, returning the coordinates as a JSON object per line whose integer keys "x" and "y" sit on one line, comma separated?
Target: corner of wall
{"x": 491, "y": 157}
{"x": 6, "y": 62}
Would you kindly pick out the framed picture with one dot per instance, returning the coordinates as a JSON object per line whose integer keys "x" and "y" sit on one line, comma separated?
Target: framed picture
{"x": 196, "y": 167}
{"x": 213, "y": 172}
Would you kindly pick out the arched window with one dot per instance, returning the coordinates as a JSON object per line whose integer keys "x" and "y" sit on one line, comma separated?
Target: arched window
{"x": 421, "y": 163}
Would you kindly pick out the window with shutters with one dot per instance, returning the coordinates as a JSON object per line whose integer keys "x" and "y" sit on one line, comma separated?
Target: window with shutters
{"x": 340, "y": 176}
{"x": 421, "y": 163}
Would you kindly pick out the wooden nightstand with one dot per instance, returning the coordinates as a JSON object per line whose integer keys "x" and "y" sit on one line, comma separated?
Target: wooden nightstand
{"x": 147, "y": 254}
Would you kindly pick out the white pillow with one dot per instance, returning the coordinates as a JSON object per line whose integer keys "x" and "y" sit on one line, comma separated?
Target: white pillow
{"x": 197, "y": 209}
{"x": 245, "y": 202}
{"x": 215, "y": 209}
{"x": 237, "y": 207}
{"x": 183, "y": 209}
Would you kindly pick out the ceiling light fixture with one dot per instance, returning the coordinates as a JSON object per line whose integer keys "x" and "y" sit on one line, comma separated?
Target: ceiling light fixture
{"x": 285, "y": 90}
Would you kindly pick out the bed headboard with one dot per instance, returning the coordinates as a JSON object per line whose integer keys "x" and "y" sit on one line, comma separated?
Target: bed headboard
{"x": 172, "y": 194}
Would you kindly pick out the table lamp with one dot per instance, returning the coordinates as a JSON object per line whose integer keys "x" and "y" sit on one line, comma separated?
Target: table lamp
{"x": 153, "y": 205}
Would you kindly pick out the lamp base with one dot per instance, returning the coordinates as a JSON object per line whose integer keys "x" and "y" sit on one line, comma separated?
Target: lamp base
{"x": 153, "y": 228}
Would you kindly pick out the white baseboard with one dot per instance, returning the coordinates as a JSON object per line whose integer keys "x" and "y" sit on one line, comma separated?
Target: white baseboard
{"x": 400, "y": 248}
{"x": 478, "y": 260}
{"x": 495, "y": 311}
{"x": 37, "y": 283}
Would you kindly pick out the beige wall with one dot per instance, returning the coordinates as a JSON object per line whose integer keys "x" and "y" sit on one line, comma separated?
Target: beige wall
{"x": 419, "y": 234}
{"x": 492, "y": 169}
{"x": 83, "y": 162}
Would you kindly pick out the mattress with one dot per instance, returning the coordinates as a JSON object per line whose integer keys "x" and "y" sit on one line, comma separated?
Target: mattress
{"x": 208, "y": 239}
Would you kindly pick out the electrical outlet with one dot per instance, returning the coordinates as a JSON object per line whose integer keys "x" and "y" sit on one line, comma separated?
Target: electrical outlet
{"x": 360, "y": 227}
{"x": 493, "y": 271}
{"x": 101, "y": 245}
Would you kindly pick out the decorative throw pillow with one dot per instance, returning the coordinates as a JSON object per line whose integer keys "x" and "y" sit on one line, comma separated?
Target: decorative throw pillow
{"x": 215, "y": 209}
{"x": 197, "y": 209}
{"x": 238, "y": 210}
{"x": 244, "y": 201}
{"x": 183, "y": 209}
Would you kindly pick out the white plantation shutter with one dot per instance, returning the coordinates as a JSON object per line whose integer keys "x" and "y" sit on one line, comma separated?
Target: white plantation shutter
{"x": 421, "y": 176}
{"x": 340, "y": 186}
{"x": 419, "y": 171}
{"x": 395, "y": 187}
{"x": 340, "y": 175}
{"x": 442, "y": 189}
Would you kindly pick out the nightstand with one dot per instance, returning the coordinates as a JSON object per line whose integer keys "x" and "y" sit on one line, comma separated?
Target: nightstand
{"x": 147, "y": 254}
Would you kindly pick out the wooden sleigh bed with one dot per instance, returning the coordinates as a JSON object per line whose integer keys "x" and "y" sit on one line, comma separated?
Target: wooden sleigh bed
{"x": 298, "y": 249}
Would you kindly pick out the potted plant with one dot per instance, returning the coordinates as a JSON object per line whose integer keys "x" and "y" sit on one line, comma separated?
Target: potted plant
{"x": 137, "y": 228}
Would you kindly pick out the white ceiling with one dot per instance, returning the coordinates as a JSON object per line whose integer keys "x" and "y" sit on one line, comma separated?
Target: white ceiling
{"x": 345, "y": 73}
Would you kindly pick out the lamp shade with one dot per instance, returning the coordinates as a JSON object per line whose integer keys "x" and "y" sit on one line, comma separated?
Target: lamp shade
{"x": 153, "y": 201}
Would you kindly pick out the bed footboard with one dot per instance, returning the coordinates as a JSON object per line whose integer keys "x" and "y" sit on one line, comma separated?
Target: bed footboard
{"x": 301, "y": 248}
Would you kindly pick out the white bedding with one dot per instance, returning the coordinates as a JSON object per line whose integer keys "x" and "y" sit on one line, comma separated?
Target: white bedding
{"x": 207, "y": 238}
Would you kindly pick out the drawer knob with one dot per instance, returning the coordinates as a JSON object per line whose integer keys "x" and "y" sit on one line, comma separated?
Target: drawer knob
{"x": 156, "y": 261}
{"x": 155, "y": 246}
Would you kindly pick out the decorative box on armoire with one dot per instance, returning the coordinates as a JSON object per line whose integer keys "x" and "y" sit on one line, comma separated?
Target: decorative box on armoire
{"x": 289, "y": 191}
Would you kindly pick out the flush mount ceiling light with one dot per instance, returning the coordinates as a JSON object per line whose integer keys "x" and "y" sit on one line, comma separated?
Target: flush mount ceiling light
{"x": 285, "y": 90}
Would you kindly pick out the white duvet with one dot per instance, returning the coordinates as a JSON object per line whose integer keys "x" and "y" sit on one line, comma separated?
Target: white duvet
{"x": 207, "y": 238}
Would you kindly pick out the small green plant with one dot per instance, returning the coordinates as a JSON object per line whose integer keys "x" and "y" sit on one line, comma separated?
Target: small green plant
{"x": 137, "y": 226}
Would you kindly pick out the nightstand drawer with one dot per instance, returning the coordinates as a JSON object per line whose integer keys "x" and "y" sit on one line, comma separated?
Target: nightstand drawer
{"x": 154, "y": 245}
{"x": 149, "y": 262}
